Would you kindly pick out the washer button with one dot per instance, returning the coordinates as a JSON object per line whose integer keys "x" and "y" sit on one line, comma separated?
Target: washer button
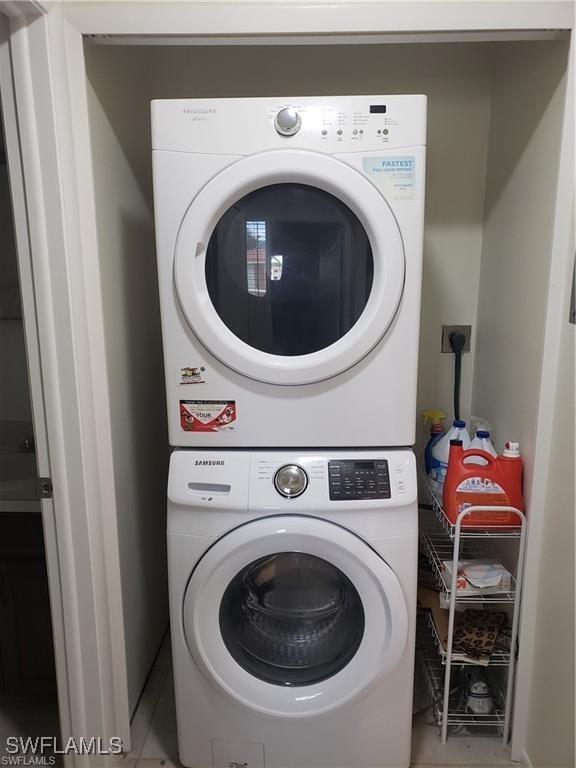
{"x": 291, "y": 481}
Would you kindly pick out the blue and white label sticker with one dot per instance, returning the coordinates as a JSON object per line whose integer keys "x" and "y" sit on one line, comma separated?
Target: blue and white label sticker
{"x": 394, "y": 176}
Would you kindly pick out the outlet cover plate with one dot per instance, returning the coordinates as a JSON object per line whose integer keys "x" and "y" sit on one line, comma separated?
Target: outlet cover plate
{"x": 448, "y": 330}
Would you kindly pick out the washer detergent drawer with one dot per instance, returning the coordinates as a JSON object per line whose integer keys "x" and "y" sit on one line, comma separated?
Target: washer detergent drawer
{"x": 237, "y": 754}
{"x": 218, "y": 479}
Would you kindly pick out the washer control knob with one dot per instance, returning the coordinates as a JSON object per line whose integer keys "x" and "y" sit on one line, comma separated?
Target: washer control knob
{"x": 291, "y": 480}
{"x": 287, "y": 122}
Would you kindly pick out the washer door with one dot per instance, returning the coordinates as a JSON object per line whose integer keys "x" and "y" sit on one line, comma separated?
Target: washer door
{"x": 294, "y": 616}
{"x": 289, "y": 266}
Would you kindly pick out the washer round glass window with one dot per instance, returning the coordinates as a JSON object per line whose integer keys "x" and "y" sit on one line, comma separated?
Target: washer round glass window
{"x": 289, "y": 269}
{"x": 291, "y": 619}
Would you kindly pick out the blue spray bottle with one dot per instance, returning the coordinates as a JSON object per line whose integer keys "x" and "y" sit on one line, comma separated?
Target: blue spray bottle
{"x": 435, "y": 419}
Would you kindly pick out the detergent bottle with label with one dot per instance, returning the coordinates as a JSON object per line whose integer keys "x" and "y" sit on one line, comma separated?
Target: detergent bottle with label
{"x": 436, "y": 431}
{"x": 482, "y": 442}
{"x": 498, "y": 482}
{"x": 511, "y": 463}
{"x": 439, "y": 456}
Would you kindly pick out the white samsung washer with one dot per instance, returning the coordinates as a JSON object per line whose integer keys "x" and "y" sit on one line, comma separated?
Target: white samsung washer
{"x": 289, "y": 243}
{"x": 293, "y": 598}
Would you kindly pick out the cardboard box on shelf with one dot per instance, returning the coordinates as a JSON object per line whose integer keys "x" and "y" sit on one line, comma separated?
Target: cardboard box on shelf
{"x": 477, "y": 577}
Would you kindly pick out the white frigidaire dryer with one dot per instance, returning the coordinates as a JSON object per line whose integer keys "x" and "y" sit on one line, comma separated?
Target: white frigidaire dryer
{"x": 289, "y": 242}
{"x": 292, "y": 581}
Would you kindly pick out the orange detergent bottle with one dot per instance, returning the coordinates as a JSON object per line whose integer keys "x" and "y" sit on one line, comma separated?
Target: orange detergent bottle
{"x": 496, "y": 483}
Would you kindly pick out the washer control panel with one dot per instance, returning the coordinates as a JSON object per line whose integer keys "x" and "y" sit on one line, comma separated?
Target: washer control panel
{"x": 358, "y": 479}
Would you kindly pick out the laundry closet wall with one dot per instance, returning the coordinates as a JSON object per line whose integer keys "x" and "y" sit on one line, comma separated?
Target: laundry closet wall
{"x": 494, "y": 117}
{"x": 553, "y": 658}
{"x": 120, "y": 136}
{"x": 512, "y": 367}
{"x": 519, "y": 219}
{"x": 121, "y": 82}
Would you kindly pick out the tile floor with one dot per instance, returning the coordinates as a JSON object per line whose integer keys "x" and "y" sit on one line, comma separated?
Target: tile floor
{"x": 154, "y": 739}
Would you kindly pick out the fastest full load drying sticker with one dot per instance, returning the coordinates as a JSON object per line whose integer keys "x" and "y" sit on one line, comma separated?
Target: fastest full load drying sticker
{"x": 395, "y": 177}
{"x": 207, "y": 415}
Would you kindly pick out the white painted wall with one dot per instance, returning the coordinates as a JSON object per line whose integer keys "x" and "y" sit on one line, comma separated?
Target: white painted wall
{"x": 519, "y": 218}
{"x": 486, "y": 244}
{"x": 122, "y": 81}
{"x": 551, "y": 713}
{"x": 119, "y": 128}
{"x": 516, "y": 249}
{"x": 512, "y": 313}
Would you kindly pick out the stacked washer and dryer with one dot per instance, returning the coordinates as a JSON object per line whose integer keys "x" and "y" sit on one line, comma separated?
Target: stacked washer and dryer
{"x": 289, "y": 240}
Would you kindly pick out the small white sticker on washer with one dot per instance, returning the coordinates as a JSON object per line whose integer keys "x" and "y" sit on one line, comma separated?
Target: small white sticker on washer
{"x": 191, "y": 375}
{"x": 394, "y": 176}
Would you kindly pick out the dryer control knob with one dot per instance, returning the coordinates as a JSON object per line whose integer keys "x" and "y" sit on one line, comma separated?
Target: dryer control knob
{"x": 291, "y": 480}
{"x": 287, "y": 122}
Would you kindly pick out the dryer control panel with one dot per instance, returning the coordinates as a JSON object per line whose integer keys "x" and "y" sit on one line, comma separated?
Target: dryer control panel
{"x": 328, "y": 124}
{"x": 358, "y": 479}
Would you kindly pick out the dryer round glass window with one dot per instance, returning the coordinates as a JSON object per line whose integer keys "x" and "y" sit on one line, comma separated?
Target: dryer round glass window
{"x": 291, "y": 619}
{"x": 289, "y": 269}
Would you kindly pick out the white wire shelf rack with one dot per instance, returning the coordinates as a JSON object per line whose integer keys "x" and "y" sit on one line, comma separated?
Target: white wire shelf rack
{"x": 498, "y": 657}
{"x": 430, "y": 664}
{"x": 467, "y": 532}
{"x": 450, "y": 542}
{"x": 438, "y": 548}
{"x": 455, "y": 715}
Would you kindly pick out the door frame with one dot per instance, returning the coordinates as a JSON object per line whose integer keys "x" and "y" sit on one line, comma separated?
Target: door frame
{"x": 50, "y": 89}
{"x": 68, "y": 392}
{"x": 27, "y": 10}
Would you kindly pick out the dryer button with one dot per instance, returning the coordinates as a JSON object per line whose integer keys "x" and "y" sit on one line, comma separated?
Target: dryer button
{"x": 291, "y": 480}
{"x": 287, "y": 122}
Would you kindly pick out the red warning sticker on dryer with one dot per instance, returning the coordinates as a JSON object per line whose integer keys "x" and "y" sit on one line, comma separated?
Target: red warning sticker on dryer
{"x": 207, "y": 415}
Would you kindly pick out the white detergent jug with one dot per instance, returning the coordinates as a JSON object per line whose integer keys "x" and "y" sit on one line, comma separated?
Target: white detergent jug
{"x": 482, "y": 442}
{"x": 440, "y": 454}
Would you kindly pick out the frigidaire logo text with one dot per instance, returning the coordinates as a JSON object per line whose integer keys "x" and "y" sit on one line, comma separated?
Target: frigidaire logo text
{"x": 208, "y": 463}
{"x": 199, "y": 111}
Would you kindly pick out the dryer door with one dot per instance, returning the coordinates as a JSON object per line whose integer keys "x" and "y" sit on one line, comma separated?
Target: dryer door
{"x": 289, "y": 266}
{"x": 294, "y": 616}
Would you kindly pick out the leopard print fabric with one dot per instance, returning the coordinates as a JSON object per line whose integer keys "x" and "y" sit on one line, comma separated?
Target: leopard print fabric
{"x": 476, "y": 632}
